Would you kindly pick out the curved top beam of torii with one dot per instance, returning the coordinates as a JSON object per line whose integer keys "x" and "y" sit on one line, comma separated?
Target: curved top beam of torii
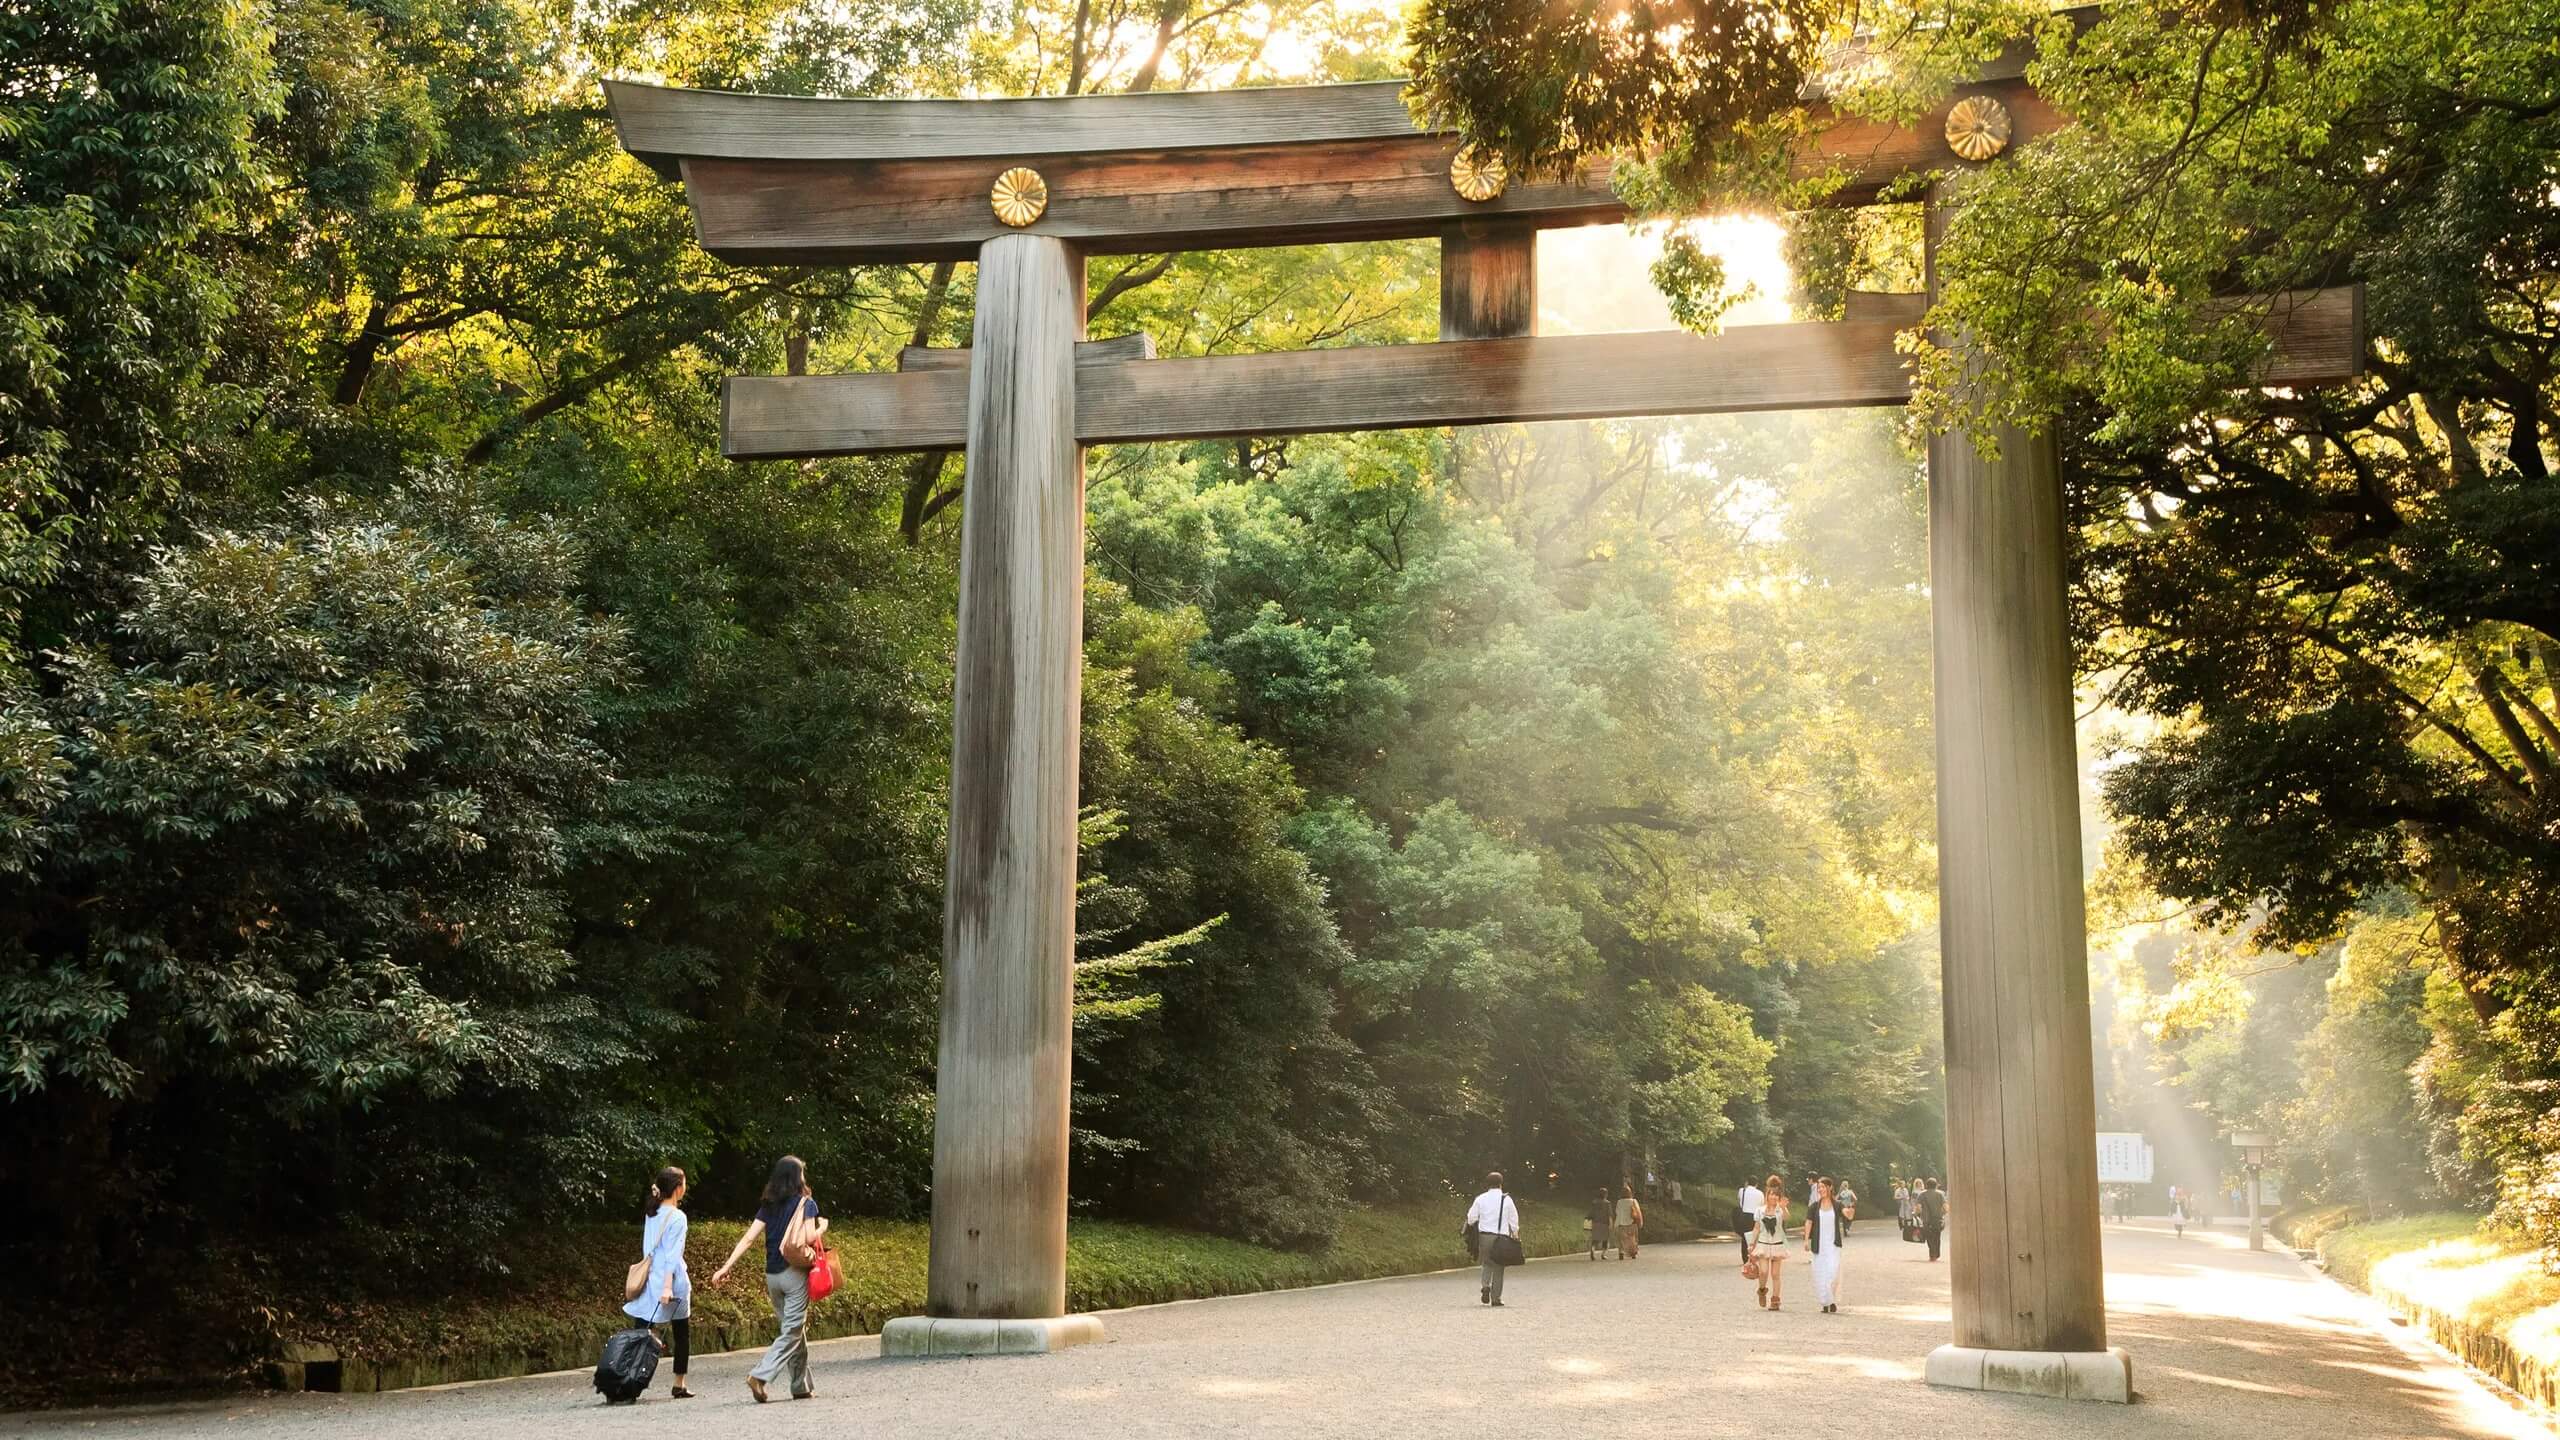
{"x": 786, "y": 180}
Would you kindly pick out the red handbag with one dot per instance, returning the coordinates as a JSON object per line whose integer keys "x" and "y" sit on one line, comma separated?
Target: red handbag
{"x": 822, "y": 1270}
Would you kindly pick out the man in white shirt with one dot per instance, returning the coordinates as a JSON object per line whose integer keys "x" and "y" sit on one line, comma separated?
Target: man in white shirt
{"x": 1493, "y": 1213}
{"x": 1748, "y": 1203}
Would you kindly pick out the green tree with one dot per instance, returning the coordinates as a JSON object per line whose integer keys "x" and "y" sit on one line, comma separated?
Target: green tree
{"x": 314, "y": 786}
{"x": 124, "y": 139}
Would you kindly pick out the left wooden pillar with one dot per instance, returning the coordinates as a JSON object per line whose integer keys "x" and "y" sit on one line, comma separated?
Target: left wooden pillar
{"x": 996, "y": 1279}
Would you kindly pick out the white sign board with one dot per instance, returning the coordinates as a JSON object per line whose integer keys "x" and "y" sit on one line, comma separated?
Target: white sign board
{"x": 2124, "y": 1158}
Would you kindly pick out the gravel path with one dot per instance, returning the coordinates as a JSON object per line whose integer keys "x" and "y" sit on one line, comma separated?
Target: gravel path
{"x": 2227, "y": 1345}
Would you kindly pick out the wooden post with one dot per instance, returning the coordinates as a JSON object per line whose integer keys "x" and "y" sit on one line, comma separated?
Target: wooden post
{"x": 2022, "y": 1165}
{"x": 996, "y": 1277}
{"x": 1488, "y": 280}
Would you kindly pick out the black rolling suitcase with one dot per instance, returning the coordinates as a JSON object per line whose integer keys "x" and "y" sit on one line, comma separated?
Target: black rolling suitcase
{"x": 630, "y": 1362}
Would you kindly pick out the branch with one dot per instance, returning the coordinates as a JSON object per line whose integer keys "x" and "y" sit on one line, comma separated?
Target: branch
{"x": 2492, "y": 683}
{"x": 1643, "y": 817}
{"x": 1131, "y": 276}
{"x": 924, "y": 472}
{"x": 2376, "y": 675}
{"x": 361, "y": 352}
{"x": 585, "y": 385}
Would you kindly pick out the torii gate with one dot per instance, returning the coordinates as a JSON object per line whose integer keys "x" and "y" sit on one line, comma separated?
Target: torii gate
{"x": 1027, "y": 189}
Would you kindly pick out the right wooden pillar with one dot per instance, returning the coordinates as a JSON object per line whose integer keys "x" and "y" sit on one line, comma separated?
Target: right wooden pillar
{"x": 2028, "y": 1285}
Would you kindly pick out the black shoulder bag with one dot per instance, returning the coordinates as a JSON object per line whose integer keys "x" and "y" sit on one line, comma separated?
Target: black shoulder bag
{"x": 1506, "y": 1247}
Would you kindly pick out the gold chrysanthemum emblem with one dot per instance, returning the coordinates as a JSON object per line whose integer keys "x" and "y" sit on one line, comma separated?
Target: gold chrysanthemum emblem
{"x": 1019, "y": 197}
{"x": 1978, "y": 128}
{"x": 1478, "y": 174}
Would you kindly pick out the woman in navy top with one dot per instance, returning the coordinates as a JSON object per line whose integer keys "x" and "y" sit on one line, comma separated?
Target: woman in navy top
{"x": 786, "y": 1207}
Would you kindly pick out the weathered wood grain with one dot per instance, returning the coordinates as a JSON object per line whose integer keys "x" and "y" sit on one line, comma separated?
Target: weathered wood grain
{"x": 2013, "y": 945}
{"x": 999, "y": 1247}
{"x": 1470, "y": 382}
{"x": 2318, "y": 337}
{"x": 768, "y": 210}
{"x": 1488, "y": 280}
{"x": 661, "y": 124}
{"x": 1140, "y": 346}
{"x": 774, "y": 211}
{"x": 2319, "y": 334}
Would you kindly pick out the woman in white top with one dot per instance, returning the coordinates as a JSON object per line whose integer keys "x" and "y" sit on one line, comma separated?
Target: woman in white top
{"x": 1769, "y": 1243}
{"x": 1493, "y": 1213}
{"x": 667, "y": 1297}
{"x": 1824, "y": 1230}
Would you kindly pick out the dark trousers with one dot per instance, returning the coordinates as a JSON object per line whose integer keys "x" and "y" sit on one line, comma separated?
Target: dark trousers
{"x": 1932, "y": 1233}
{"x": 681, "y": 1343}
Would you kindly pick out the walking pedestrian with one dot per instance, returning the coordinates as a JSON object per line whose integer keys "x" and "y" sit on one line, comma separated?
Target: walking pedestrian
{"x": 1933, "y": 1214}
{"x": 1746, "y": 1217}
{"x": 1769, "y": 1244}
{"x": 1826, "y": 1232}
{"x": 666, "y": 1298}
{"x": 1493, "y": 1214}
{"x": 1599, "y": 1223}
{"x": 2178, "y": 1210}
{"x": 1846, "y": 1197}
{"x": 1630, "y": 1218}
{"x": 788, "y": 1218}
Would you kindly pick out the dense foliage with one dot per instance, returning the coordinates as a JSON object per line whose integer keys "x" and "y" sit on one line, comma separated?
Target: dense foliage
{"x": 2334, "y": 616}
{"x": 435, "y": 788}
{"x": 2342, "y": 603}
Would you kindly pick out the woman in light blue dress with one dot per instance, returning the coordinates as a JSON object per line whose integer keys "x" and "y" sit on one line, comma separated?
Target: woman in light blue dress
{"x": 668, "y": 1297}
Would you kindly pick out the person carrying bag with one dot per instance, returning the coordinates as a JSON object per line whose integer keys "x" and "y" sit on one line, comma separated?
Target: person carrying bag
{"x": 804, "y": 1248}
{"x": 787, "y": 1216}
{"x": 657, "y": 1291}
{"x": 1493, "y": 1237}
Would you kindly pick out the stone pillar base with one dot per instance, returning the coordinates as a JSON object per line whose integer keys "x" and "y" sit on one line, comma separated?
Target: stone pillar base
{"x": 917, "y": 1336}
{"x": 2059, "y": 1374}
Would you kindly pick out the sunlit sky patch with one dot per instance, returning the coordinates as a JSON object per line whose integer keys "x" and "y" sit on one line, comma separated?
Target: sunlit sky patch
{"x": 1599, "y": 277}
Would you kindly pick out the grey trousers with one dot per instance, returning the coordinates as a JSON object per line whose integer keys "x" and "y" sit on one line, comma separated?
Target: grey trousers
{"x": 789, "y": 1290}
{"x": 1492, "y": 1280}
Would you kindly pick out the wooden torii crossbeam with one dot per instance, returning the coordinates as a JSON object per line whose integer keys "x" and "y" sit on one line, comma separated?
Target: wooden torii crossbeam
{"x": 1027, "y": 189}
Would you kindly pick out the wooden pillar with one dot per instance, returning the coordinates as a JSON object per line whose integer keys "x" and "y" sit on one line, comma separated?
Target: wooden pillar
{"x": 1488, "y": 280}
{"x": 2022, "y": 1170}
{"x": 1000, "y": 1123}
